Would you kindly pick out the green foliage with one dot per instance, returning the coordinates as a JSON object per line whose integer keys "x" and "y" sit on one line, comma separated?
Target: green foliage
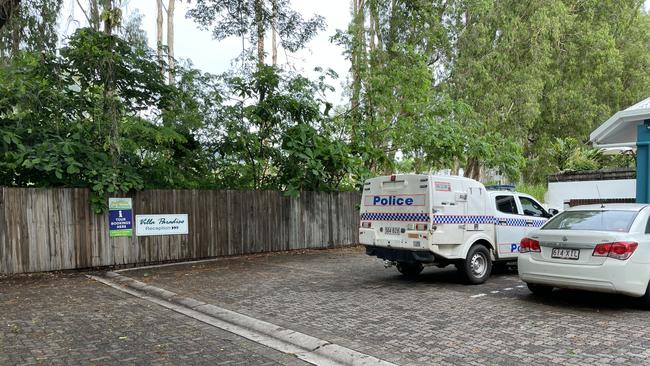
{"x": 546, "y": 70}
{"x": 491, "y": 84}
{"x": 32, "y": 26}
{"x": 273, "y": 134}
{"x": 567, "y": 154}
{"x": 316, "y": 162}
{"x": 536, "y": 190}
{"x": 506, "y": 85}
{"x": 54, "y": 122}
{"x": 57, "y": 127}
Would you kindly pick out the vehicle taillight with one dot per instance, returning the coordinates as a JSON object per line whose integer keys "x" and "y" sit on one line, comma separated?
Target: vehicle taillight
{"x": 420, "y": 227}
{"x": 393, "y": 177}
{"x": 529, "y": 245}
{"x": 602, "y": 250}
{"x": 620, "y": 250}
{"x": 365, "y": 225}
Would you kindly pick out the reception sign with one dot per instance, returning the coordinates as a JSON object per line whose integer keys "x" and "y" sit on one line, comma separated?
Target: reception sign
{"x": 171, "y": 224}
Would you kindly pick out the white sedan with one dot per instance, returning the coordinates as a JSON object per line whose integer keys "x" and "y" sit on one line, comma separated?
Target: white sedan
{"x": 603, "y": 248}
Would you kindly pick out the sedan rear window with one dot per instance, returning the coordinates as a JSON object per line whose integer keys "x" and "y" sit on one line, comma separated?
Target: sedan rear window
{"x": 620, "y": 221}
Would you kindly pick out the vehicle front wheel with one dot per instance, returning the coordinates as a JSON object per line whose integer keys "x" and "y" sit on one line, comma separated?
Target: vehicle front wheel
{"x": 477, "y": 267}
{"x": 539, "y": 290}
{"x": 409, "y": 269}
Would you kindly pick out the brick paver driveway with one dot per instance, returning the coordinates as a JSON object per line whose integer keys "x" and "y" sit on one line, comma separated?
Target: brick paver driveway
{"x": 346, "y": 297}
{"x": 63, "y": 319}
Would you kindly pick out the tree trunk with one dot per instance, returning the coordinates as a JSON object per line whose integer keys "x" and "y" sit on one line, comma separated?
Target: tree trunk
{"x": 159, "y": 35}
{"x": 95, "y": 16}
{"x": 357, "y": 59}
{"x": 108, "y": 16}
{"x": 455, "y": 168}
{"x": 473, "y": 169}
{"x": 274, "y": 35}
{"x": 259, "y": 22}
{"x": 372, "y": 14}
{"x": 170, "y": 41}
{"x": 110, "y": 109}
{"x": 7, "y": 7}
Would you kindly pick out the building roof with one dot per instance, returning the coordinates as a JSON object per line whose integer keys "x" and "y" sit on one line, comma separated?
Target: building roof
{"x": 620, "y": 129}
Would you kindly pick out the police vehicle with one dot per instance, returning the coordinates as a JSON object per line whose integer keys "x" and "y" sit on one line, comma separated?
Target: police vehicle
{"x": 414, "y": 220}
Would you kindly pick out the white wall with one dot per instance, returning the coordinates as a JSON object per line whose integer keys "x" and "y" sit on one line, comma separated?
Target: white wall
{"x": 558, "y": 192}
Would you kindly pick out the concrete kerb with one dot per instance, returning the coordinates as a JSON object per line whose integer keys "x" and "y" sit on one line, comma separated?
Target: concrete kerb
{"x": 303, "y": 346}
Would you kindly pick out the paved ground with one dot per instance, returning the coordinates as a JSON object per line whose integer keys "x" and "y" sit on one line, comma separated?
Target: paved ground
{"x": 348, "y": 298}
{"x": 341, "y": 295}
{"x": 69, "y": 320}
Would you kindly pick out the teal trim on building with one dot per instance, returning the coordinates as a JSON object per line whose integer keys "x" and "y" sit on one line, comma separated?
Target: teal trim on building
{"x": 643, "y": 162}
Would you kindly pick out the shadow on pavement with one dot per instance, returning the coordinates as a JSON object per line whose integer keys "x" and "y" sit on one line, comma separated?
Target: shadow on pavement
{"x": 585, "y": 300}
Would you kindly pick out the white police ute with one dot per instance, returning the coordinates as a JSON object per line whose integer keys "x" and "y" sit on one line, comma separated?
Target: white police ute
{"x": 413, "y": 220}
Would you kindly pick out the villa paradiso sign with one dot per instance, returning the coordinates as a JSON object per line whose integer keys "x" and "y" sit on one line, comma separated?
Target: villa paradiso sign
{"x": 166, "y": 224}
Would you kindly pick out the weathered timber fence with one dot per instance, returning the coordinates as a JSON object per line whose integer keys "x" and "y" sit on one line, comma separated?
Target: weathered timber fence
{"x": 54, "y": 229}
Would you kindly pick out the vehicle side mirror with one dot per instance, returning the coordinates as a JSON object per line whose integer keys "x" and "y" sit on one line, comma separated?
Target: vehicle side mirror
{"x": 553, "y": 212}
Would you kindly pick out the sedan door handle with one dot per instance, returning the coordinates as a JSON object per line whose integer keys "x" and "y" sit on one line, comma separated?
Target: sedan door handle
{"x": 503, "y": 221}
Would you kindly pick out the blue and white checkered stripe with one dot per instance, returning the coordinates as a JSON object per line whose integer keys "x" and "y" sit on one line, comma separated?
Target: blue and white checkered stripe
{"x": 384, "y": 216}
{"x": 520, "y": 222}
{"x": 450, "y": 219}
{"x": 462, "y": 219}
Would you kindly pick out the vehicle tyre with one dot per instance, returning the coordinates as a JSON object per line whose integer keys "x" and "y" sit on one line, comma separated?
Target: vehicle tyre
{"x": 409, "y": 269}
{"x": 539, "y": 290}
{"x": 477, "y": 267}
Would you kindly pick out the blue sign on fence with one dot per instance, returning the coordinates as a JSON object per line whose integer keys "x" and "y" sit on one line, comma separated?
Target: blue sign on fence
{"x": 120, "y": 217}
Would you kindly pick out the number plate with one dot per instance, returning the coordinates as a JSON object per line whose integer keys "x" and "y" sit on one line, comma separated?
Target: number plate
{"x": 392, "y": 230}
{"x": 565, "y": 253}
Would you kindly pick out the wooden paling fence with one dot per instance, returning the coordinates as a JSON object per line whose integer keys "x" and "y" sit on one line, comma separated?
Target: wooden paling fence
{"x": 55, "y": 229}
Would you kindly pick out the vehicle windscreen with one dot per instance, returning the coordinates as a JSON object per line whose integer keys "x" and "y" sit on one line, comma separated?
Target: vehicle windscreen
{"x": 619, "y": 221}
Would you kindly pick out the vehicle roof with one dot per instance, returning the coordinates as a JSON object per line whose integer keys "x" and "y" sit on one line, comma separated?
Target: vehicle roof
{"x": 610, "y": 206}
{"x": 508, "y": 192}
{"x": 434, "y": 176}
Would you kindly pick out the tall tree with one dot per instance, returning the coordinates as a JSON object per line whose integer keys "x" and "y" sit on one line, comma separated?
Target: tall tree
{"x": 558, "y": 67}
{"x": 252, "y": 19}
{"x": 32, "y": 26}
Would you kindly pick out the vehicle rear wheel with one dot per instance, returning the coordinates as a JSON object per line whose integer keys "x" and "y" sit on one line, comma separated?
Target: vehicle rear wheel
{"x": 477, "y": 267}
{"x": 540, "y": 290}
{"x": 409, "y": 269}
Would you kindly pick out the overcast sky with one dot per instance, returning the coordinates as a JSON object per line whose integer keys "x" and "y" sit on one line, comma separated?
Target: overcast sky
{"x": 215, "y": 56}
